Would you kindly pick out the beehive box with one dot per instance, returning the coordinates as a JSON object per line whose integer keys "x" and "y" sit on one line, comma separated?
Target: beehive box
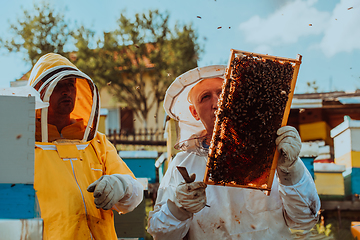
{"x": 255, "y": 101}
{"x": 315, "y": 131}
{"x": 309, "y": 151}
{"x": 352, "y": 181}
{"x": 17, "y": 139}
{"x": 355, "y": 230}
{"x": 329, "y": 180}
{"x": 347, "y": 143}
{"x": 141, "y": 163}
{"x": 311, "y": 115}
{"x": 326, "y": 154}
{"x": 17, "y": 144}
{"x": 309, "y": 164}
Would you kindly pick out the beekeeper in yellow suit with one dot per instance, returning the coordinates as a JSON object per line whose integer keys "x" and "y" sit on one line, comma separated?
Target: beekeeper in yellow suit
{"x": 79, "y": 176}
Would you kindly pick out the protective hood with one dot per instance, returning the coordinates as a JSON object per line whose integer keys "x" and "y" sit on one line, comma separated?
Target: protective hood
{"x": 45, "y": 75}
{"x": 176, "y": 102}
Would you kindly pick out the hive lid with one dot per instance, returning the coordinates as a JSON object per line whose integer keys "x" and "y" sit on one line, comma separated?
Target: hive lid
{"x": 329, "y": 167}
{"x": 348, "y": 123}
{"x": 138, "y": 154}
{"x": 24, "y": 91}
{"x": 309, "y": 149}
{"x": 306, "y": 103}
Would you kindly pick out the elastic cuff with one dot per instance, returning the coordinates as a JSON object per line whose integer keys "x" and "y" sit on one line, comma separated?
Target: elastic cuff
{"x": 180, "y": 214}
{"x": 291, "y": 175}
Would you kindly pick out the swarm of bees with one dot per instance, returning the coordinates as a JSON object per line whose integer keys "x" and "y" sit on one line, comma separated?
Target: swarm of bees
{"x": 251, "y": 108}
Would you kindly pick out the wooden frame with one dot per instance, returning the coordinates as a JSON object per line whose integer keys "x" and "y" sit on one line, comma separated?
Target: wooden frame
{"x": 296, "y": 65}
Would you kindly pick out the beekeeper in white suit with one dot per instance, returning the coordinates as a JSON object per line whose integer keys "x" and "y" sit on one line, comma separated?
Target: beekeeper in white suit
{"x": 234, "y": 213}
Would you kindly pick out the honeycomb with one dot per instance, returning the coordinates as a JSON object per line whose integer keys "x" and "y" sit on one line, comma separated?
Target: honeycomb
{"x": 251, "y": 109}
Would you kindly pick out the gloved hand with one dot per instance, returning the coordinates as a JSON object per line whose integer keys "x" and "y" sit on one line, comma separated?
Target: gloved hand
{"x": 190, "y": 198}
{"x": 290, "y": 169}
{"x": 109, "y": 190}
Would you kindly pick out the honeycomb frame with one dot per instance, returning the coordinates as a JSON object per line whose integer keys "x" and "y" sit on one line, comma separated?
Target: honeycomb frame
{"x": 267, "y": 176}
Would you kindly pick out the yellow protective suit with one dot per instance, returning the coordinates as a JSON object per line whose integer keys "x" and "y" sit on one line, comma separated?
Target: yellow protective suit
{"x": 67, "y": 163}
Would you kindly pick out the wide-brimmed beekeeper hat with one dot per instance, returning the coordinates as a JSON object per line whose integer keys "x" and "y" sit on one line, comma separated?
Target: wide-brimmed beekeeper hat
{"x": 176, "y": 104}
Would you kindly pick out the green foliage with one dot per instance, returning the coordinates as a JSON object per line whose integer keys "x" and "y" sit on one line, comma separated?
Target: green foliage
{"x": 340, "y": 229}
{"x": 139, "y": 59}
{"x": 321, "y": 229}
{"x": 37, "y": 33}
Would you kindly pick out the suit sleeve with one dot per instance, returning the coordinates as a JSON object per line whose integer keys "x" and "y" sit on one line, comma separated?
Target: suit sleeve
{"x": 301, "y": 202}
{"x": 115, "y": 165}
{"x": 162, "y": 224}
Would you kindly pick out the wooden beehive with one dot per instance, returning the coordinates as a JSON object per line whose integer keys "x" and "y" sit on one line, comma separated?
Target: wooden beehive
{"x": 254, "y": 103}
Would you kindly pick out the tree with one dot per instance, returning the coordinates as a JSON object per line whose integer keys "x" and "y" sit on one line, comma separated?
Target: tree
{"x": 140, "y": 54}
{"x": 38, "y": 33}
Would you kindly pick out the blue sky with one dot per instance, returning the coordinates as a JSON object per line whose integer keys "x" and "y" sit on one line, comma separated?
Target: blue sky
{"x": 325, "y": 32}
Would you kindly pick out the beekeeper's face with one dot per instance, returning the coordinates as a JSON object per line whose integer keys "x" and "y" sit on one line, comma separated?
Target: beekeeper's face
{"x": 62, "y": 99}
{"x": 204, "y": 99}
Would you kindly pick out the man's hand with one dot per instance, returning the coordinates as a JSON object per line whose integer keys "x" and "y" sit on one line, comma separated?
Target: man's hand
{"x": 288, "y": 143}
{"x": 108, "y": 190}
{"x": 189, "y": 198}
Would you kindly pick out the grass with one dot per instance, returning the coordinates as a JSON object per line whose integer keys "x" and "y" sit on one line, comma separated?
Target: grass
{"x": 326, "y": 230}
{"x": 148, "y": 207}
{"x": 342, "y": 232}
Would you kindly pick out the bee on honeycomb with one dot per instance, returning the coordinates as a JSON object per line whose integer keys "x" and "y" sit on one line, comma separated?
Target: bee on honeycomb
{"x": 251, "y": 108}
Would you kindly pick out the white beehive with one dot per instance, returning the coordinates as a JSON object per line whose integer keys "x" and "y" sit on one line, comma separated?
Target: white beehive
{"x": 19, "y": 211}
{"x": 347, "y": 143}
{"x": 17, "y": 139}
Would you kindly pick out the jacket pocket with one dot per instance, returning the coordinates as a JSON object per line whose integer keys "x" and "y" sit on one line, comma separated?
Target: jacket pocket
{"x": 96, "y": 170}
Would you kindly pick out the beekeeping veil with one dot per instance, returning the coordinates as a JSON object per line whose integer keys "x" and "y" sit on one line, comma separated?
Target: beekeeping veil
{"x": 45, "y": 75}
{"x": 176, "y": 103}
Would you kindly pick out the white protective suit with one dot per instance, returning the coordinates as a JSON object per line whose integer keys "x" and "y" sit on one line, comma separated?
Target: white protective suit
{"x": 234, "y": 213}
